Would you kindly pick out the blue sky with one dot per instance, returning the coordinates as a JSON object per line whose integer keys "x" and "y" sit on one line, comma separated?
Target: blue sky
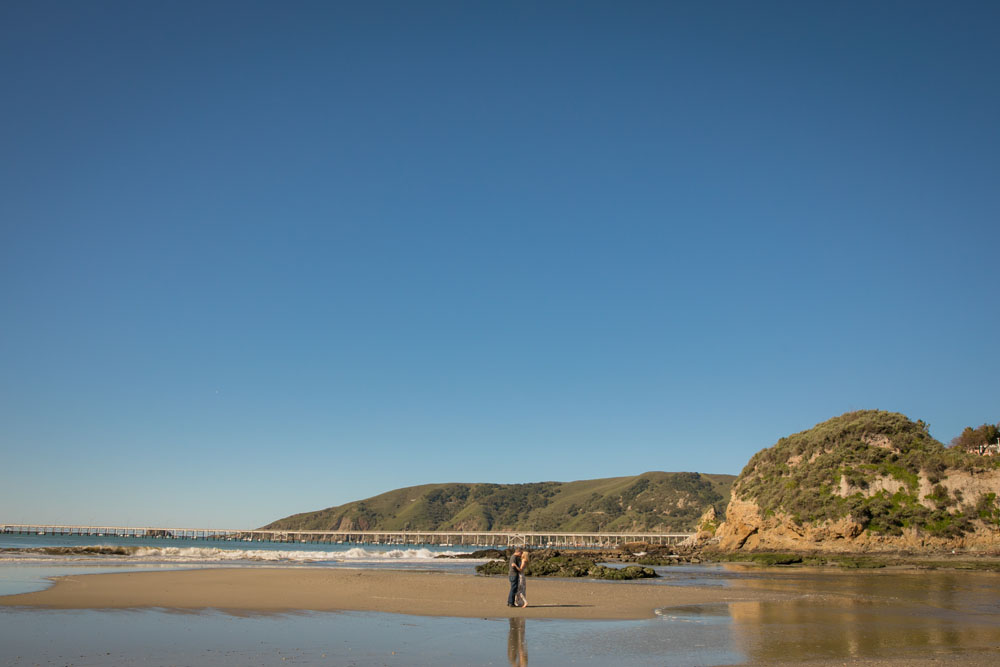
{"x": 264, "y": 258}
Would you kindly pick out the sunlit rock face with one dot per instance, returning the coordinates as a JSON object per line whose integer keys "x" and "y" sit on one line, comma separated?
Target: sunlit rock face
{"x": 864, "y": 481}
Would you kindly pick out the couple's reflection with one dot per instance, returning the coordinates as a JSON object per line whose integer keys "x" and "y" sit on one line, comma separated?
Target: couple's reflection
{"x": 517, "y": 648}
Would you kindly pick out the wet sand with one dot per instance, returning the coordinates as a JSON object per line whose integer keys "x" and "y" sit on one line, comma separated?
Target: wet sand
{"x": 262, "y": 616}
{"x": 251, "y": 590}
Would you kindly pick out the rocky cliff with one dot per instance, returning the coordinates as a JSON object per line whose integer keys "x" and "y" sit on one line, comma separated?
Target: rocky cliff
{"x": 864, "y": 481}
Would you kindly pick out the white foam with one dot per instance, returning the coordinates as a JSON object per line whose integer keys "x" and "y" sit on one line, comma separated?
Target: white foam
{"x": 147, "y": 554}
{"x": 357, "y": 555}
{"x": 189, "y": 554}
{"x": 360, "y": 554}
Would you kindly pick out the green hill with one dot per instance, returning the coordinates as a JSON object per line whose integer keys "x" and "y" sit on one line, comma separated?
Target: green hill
{"x": 864, "y": 476}
{"x": 653, "y": 501}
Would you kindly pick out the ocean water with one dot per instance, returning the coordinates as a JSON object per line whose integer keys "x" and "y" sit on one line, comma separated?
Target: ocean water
{"x": 27, "y": 562}
{"x": 19, "y": 547}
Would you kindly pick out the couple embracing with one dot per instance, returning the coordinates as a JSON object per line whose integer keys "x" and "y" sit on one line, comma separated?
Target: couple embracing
{"x": 516, "y": 571}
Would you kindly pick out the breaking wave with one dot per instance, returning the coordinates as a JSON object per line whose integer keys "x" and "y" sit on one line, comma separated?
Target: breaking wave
{"x": 212, "y": 554}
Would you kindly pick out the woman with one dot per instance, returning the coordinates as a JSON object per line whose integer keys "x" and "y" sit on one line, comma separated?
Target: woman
{"x": 522, "y": 582}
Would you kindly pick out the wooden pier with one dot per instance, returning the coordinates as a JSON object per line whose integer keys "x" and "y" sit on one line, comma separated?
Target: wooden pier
{"x": 382, "y": 537}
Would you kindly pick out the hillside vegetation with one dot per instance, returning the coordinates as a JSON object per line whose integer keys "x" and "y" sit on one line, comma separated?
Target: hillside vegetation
{"x": 877, "y": 473}
{"x": 653, "y": 501}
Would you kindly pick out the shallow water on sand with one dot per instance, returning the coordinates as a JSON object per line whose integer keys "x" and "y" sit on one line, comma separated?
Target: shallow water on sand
{"x": 880, "y": 616}
{"x": 871, "y": 614}
{"x": 349, "y": 638}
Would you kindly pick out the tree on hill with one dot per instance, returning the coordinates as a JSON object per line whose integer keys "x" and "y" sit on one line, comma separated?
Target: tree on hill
{"x": 975, "y": 440}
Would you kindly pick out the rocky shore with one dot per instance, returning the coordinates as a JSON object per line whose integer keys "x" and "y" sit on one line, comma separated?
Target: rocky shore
{"x": 635, "y": 561}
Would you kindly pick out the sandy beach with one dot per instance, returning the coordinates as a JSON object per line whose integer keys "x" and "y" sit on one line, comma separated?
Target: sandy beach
{"x": 252, "y": 590}
{"x": 263, "y": 615}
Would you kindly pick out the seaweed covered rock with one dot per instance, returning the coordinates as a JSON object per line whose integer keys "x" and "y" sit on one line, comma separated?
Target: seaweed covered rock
{"x": 552, "y": 563}
{"x": 482, "y": 553}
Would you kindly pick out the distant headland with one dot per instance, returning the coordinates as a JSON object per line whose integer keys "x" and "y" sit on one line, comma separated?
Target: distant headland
{"x": 655, "y": 502}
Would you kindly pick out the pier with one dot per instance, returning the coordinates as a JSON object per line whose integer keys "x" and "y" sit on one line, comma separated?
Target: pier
{"x": 482, "y": 539}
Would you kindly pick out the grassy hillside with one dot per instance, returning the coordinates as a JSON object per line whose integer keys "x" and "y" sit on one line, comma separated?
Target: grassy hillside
{"x": 653, "y": 501}
{"x": 880, "y": 468}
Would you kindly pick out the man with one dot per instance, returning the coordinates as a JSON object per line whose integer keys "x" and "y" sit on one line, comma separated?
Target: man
{"x": 513, "y": 575}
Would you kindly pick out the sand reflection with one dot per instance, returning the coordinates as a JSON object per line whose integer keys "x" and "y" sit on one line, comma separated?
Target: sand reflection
{"x": 517, "y": 647}
{"x": 868, "y": 615}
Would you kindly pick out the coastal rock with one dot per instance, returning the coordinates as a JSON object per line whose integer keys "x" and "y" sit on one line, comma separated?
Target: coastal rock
{"x": 551, "y": 563}
{"x": 481, "y": 553}
{"x": 865, "y": 481}
{"x": 742, "y": 521}
{"x": 747, "y": 529}
{"x": 708, "y": 524}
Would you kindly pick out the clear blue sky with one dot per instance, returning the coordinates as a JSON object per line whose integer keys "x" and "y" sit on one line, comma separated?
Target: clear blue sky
{"x": 264, "y": 258}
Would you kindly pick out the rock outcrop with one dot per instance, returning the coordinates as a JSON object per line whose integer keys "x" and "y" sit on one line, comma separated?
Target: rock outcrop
{"x": 865, "y": 481}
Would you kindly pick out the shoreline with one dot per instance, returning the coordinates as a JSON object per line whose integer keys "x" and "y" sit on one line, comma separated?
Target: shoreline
{"x": 420, "y": 593}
